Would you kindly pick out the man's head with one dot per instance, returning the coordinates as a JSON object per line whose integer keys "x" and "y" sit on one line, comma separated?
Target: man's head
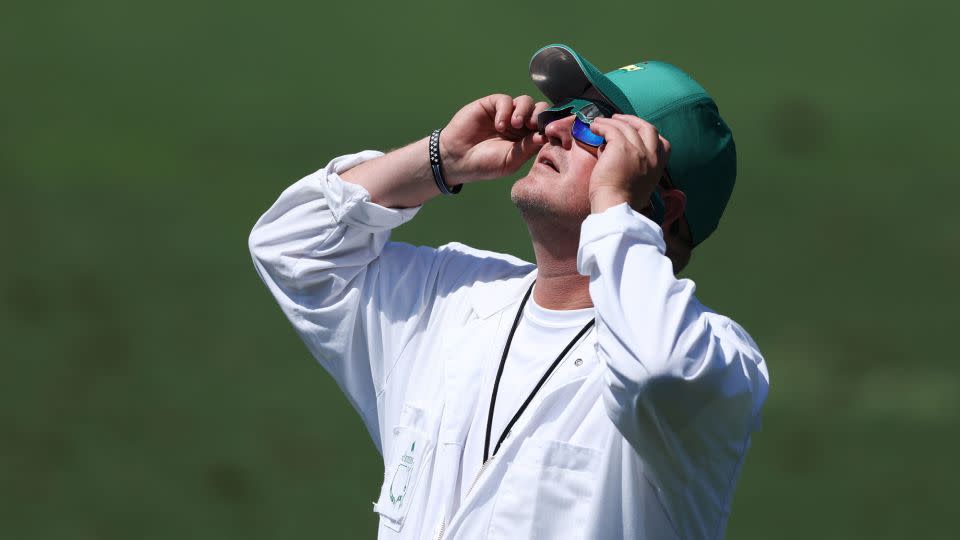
{"x": 702, "y": 166}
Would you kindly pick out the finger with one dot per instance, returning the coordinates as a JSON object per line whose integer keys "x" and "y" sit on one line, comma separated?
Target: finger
{"x": 634, "y": 121}
{"x": 531, "y": 144}
{"x": 617, "y": 131}
{"x": 522, "y": 107}
{"x": 649, "y": 135}
{"x": 608, "y": 132}
{"x": 632, "y": 133}
{"x": 537, "y": 109}
{"x": 503, "y": 106}
{"x": 523, "y": 150}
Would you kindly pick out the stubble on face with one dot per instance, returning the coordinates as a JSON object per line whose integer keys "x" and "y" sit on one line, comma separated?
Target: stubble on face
{"x": 530, "y": 201}
{"x": 553, "y": 197}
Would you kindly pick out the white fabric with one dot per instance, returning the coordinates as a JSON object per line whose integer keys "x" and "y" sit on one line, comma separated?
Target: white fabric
{"x": 644, "y": 440}
{"x": 541, "y": 335}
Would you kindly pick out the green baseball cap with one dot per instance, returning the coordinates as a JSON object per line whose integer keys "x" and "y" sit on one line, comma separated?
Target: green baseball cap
{"x": 703, "y": 157}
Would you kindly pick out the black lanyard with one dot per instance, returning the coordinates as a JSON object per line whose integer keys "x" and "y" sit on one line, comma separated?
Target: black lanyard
{"x": 503, "y": 362}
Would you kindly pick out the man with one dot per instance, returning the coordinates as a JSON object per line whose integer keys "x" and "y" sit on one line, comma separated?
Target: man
{"x": 589, "y": 396}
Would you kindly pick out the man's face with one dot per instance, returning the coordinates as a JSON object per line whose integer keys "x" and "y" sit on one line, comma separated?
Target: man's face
{"x": 557, "y": 185}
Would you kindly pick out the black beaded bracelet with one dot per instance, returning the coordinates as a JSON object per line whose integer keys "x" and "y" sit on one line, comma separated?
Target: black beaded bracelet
{"x": 437, "y": 169}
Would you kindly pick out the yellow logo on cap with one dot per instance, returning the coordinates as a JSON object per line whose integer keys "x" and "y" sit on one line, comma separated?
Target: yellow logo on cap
{"x": 632, "y": 67}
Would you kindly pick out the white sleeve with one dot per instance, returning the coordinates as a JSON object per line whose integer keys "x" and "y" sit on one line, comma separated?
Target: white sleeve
{"x": 322, "y": 250}
{"x": 682, "y": 383}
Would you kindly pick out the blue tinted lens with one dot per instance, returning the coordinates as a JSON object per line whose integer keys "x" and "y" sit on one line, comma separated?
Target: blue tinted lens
{"x": 581, "y": 132}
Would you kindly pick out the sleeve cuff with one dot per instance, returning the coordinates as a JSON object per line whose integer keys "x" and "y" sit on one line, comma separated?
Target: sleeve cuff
{"x": 616, "y": 220}
{"x": 350, "y": 203}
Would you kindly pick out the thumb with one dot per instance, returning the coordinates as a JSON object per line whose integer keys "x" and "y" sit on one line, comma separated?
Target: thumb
{"x": 531, "y": 144}
{"x": 526, "y": 147}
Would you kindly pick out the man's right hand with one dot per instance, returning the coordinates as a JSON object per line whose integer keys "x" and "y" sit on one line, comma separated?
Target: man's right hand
{"x": 490, "y": 138}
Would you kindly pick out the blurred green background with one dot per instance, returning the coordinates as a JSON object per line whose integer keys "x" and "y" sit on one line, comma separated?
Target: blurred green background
{"x": 150, "y": 388}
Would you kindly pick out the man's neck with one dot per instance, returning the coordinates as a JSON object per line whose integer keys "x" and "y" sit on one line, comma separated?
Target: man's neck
{"x": 559, "y": 285}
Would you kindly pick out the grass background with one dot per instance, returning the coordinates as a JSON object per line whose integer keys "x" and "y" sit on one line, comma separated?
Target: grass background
{"x": 150, "y": 388}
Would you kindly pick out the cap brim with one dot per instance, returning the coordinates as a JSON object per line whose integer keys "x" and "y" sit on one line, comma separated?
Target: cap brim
{"x": 561, "y": 74}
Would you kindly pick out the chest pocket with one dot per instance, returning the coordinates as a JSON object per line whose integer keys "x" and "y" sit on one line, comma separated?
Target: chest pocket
{"x": 546, "y": 493}
{"x": 411, "y": 449}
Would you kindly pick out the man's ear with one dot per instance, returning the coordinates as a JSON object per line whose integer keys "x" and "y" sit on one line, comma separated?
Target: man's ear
{"x": 674, "y": 203}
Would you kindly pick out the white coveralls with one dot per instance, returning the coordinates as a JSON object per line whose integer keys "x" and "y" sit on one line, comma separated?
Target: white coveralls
{"x": 644, "y": 439}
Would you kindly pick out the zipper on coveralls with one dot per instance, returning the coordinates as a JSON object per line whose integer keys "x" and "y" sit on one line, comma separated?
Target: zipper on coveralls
{"x": 443, "y": 523}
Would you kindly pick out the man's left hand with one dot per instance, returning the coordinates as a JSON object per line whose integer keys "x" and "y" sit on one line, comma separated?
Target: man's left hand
{"x": 630, "y": 163}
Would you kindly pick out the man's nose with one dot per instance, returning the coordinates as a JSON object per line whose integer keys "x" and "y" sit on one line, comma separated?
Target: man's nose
{"x": 558, "y": 132}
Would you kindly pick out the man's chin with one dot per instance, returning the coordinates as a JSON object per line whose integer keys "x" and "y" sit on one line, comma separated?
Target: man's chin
{"x": 530, "y": 208}
{"x": 534, "y": 202}
{"x": 534, "y": 207}
{"x": 528, "y": 197}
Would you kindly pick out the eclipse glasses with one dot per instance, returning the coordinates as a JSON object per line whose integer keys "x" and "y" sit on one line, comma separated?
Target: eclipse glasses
{"x": 585, "y": 111}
